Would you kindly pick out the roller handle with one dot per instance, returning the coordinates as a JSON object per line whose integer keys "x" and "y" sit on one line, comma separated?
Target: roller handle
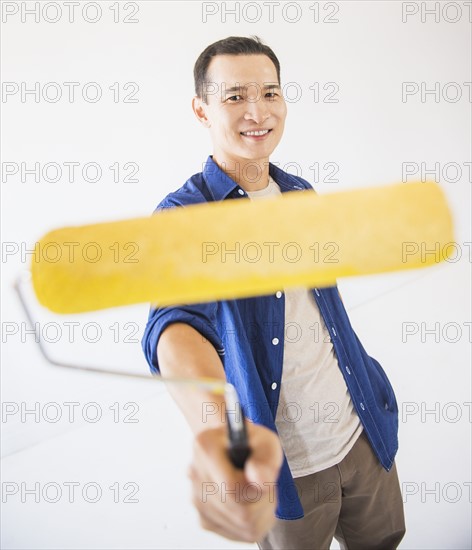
{"x": 238, "y": 449}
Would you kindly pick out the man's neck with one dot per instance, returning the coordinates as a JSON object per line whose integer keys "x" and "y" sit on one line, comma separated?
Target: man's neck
{"x": 251, "y": 175}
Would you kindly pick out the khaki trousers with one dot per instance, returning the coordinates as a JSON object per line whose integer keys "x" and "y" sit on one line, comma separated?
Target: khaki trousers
{"x": 356, "y": 501}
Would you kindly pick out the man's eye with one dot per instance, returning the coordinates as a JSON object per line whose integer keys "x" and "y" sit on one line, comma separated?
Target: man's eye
{"x": 271, "y": 94}
{"x": 234, "y": 98}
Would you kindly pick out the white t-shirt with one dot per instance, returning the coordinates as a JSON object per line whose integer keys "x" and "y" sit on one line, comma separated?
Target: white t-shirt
{"x": 316, "y": 420}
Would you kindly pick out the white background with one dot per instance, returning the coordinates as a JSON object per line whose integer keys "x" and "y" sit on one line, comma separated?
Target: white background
{"x": 368, "y": 134}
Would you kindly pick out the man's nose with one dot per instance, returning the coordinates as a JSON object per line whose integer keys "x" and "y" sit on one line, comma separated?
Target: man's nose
{"x": 257, "y": 110}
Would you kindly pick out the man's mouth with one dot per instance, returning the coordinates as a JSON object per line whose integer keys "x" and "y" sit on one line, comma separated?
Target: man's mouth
{"x": 256, "y": 133}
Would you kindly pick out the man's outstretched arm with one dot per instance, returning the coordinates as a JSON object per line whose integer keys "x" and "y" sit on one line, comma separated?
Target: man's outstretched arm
{"x": 236, "y": 504}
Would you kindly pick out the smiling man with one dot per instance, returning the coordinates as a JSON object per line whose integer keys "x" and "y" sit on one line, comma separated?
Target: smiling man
{"x": 323, "y": 418}
{"x": 246, "y": 121}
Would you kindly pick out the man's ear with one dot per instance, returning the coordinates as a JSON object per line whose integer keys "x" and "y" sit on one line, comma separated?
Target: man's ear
{"x": 198, "y": 107}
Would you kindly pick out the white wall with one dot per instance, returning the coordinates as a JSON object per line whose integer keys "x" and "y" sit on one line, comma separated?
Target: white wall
{"x": 368, "y": 135}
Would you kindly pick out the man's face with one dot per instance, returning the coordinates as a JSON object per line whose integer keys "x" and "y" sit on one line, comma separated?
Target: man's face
{"x": 243, "y": 95}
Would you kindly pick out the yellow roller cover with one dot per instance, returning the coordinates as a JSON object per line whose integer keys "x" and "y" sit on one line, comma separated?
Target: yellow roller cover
{"x": 241, "y": 248}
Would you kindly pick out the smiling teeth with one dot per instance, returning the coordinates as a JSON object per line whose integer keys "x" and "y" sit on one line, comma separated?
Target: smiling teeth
{"x": 257, "y": 133}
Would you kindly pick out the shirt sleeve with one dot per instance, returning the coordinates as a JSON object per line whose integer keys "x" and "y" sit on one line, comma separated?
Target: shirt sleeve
{"x": 202, "y": 317}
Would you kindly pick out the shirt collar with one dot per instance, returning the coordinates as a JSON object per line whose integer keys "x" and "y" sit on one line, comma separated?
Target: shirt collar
{"x": 221, "y": 185}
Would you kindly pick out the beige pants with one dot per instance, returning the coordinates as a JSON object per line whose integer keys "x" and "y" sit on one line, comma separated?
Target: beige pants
{"x": 357, "y": 501}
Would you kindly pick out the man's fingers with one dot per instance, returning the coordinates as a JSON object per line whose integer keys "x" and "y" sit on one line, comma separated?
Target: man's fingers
{"x": 228, "y": 531}
{"x": 247, "y": 528}
{"x": 214, "y": 516}
{"x": 237, "y": 504}
{"x": 265, "y": 460}
{"x": 211, "y": 452}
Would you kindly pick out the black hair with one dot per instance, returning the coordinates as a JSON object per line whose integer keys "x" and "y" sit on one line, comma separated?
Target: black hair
{"x": 233, "y": 45}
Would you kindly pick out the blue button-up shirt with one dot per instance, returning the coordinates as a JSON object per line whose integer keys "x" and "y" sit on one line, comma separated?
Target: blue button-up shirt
{"x": 242, "y": 332}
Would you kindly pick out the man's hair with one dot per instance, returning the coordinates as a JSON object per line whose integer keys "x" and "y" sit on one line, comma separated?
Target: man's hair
{"x": 233, "y": 45}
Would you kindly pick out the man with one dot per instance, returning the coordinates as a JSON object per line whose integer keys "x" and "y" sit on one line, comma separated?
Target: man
{"x": 318, "y": 395}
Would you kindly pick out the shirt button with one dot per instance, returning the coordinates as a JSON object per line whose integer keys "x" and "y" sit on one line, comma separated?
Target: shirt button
{"x": 275, "y": 341}
{"x": 274, "y": 385}
{"x": 362, "y": 406}
{"x": 278, "y": 294}
{"x": 240, "y": 191}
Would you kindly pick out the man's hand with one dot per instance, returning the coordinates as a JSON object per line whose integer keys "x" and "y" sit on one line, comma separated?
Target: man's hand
{"x": 237, "y": 504}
